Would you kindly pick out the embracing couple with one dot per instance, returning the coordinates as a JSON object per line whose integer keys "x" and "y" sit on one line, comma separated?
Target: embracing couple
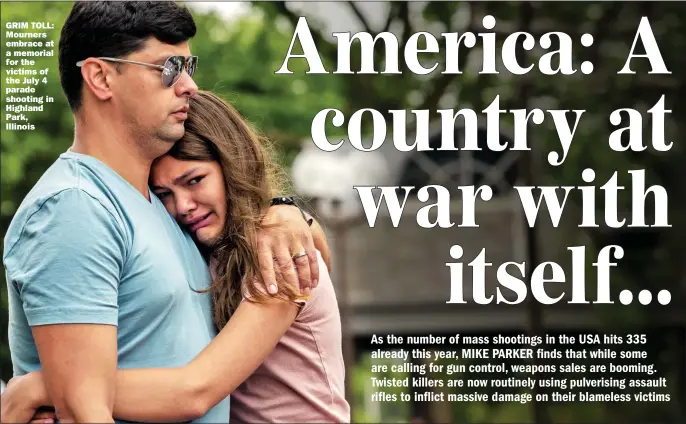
{"x": 154, "y": 270}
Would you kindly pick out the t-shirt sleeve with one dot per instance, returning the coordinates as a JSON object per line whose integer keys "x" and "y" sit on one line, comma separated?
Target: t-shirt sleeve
{"x": 67, "y": 262}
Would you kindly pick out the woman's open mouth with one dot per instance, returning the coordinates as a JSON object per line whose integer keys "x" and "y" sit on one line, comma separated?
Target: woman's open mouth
{"x": 203, "y": 221}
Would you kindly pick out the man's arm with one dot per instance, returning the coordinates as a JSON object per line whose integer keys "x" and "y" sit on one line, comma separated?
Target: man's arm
{"x": 320, "y": 241}
{"x": 66, "y": 265}
{"x": 79, "y": 363}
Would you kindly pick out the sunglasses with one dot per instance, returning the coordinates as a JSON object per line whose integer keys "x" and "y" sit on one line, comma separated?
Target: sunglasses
{"x": 171, "y": 70}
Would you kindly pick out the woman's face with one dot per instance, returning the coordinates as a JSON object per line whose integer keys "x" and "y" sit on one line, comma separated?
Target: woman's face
{"x": 194, "y": 194}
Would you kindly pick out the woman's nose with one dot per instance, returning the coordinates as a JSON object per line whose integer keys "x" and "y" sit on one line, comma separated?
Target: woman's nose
{"x": 185, "y": 205}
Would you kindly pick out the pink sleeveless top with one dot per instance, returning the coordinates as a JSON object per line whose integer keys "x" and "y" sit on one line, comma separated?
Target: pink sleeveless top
{"x": 303, "y": 379}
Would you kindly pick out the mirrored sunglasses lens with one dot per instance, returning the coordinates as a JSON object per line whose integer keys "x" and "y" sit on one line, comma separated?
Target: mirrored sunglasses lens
{"x": 172, "y": 70}
{"x": 192, "y": 65}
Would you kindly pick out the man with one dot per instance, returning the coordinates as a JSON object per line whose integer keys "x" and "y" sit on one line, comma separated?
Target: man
{"x": 99, "y": 275}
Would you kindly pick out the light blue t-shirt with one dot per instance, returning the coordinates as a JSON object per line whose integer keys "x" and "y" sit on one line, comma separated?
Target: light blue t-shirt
{"x": 87, "y": 247}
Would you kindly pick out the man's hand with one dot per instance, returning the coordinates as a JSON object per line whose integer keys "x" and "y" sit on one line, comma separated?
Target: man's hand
{"x": 281, "y": 240}
{"x": 21, "y": 399}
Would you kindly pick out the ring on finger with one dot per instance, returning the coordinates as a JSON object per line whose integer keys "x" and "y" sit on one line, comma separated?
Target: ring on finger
{"x": 300, "y": 254}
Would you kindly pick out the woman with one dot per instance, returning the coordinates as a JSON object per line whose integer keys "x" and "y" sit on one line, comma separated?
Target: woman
{"x": 218, "y": 181}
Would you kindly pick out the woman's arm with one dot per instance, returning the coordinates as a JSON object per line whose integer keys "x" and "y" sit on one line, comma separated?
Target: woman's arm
{"x": 187, "y": 393}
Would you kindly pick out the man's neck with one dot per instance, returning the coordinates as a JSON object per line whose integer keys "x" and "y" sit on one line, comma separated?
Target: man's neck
{"x": 118, "y": 151}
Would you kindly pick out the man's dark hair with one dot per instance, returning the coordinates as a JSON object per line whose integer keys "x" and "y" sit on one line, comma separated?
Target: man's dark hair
{"x": 115, "y": 29}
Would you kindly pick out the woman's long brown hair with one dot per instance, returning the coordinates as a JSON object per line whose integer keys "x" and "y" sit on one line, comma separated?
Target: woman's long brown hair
{"x": 215, "y": 131}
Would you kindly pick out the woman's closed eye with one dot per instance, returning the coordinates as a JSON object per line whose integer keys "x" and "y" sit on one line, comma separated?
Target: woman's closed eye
{"x": 162, "y": 194}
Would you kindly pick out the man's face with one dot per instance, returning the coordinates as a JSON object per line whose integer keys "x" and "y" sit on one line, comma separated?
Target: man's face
{"x": 154, "y": 112}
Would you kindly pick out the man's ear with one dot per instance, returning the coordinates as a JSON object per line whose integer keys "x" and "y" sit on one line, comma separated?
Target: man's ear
{"x": 97, "y": 76}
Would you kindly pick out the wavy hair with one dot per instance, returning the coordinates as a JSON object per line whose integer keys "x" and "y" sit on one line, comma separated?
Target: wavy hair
{"x": 215, "y": 131}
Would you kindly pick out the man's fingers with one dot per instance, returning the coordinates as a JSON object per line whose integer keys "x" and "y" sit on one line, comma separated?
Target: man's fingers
{"x": 313, "y": 262}
{"x": 266, "y": 259}
{"x": 302, "y": 265}
{"x": 287, "y": 268}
